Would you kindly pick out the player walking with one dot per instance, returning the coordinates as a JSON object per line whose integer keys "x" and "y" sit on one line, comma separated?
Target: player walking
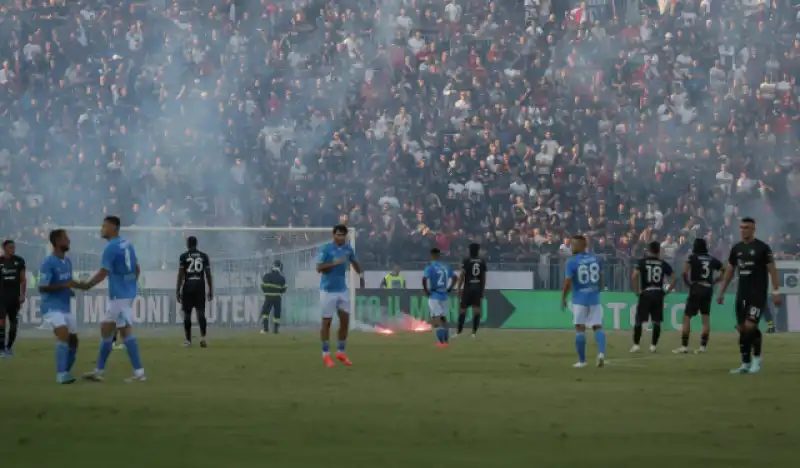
{"x": 435, "y": 284}
{"x": 194, "y": 272}
{"x": 13, "y": 285}
{"x": 585, "y": 279}
{"x": 273, "y": 286}
{"x": 332, "y": 262}
{"x": 471, "y": 284}
{"x": 698, "y": 273}
{"x": 120, "y": 266}
{"x": 55, "y": 286}
{"x": 648, "y": 284}
{"x": 753, "y": 259}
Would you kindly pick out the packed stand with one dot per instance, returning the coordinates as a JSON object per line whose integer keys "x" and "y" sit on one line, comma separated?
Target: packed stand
{"x": 418, "y": 122}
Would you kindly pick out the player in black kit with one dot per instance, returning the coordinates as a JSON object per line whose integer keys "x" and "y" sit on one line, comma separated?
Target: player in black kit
{"x": 13, "y": 284}
{"x": 194, "y": 272}
{"x": 699, "y": 274}
{"x": 648, "y": 284}
{"x": 753, "y": 260}
{"x": 471, "y": 284}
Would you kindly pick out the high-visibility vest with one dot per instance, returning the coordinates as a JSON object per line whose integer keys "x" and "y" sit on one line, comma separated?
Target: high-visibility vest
{"x": 394, "y": 282}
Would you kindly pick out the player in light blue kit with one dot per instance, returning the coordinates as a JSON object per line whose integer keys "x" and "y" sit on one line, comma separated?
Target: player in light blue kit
{"x": 435, "y": 283}
{"x": 120, "y": 266}
{"x": 584, "y": 276}
{"x": 332, "y": 262}
{"x": 55, "y": 287}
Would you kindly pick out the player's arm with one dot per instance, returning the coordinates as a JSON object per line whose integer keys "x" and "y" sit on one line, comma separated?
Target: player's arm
{"x": 23, "y": 281}
{"x": 102, "y": 273}
{"x": 673, "y": 278}
{"x": 209, "y": 278}
{"x": 324, "y": 263}
{"x": 728, "y": 275}
{"x": 453, "y": 279}
{"x": 425, "y": 282}
{"x": 483, "y": 277}
{"x": 773, "y": 276}
{"x": 383, "y": 283}
{"x": 354, "y": 263}
{"x": 718, "y": 266}
{"x": 45, "y": 279}
{"x": 686, "y": 268}
{"x": 462, "y": 275}
{"x": 567, "y": 283}
{"x": 635, "y": 280}
{"x": 180, "y": 279}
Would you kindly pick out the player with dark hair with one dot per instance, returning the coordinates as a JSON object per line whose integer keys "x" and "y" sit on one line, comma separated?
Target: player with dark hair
{"x": 699, "y": 274}
{"x": 755, "y": 264}
{"x": 120, "y": 266}
{"x": 194, "y": 273}
{"x": 273, "y": 286}
{"x": 471, "y": 285}
{"x": 648, "y": 284}
{"x": 13, "y": 285}
{"x": 55, "y": 287}
{"x": 437, "y": 281}
{"x": 332, "y": 262}
{"x": 584, "y": 277}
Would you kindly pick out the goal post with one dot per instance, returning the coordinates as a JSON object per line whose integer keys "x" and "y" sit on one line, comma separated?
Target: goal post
{"x": 239, "y": 257}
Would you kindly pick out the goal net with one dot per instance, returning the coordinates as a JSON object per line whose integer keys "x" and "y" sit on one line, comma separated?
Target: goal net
{"x": 239, "y": 258}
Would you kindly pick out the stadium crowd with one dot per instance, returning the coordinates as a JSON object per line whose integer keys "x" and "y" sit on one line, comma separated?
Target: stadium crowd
{"x": 419, "y": 122}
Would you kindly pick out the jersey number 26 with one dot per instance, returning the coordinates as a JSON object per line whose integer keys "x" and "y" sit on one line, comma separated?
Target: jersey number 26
{"x": 194, "y": 265}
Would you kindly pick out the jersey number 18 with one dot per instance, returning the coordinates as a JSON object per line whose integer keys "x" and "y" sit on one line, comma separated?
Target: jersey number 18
{"x": 654, "y": 274}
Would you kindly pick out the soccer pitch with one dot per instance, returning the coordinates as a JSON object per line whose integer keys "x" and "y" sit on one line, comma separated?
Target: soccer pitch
{"x": 508, "y": 399}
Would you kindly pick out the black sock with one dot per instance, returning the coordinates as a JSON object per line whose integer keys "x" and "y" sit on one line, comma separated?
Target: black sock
{"x": 704, "y": 339}
{"x": 637, "y": 333}
{"x": 187, "y": 327}
{"x": 13, "y": 326}
{"x": 476, "y": 322}
{"x": 201, "y": 319}
{"x": 744, "y": 346}
{"x": 685, "y": 339}
{"x": 758, "y": 338}
{"x": 3, "y": 336}
{"x": 656, "y": 333}
{"x": 461, "y": 319}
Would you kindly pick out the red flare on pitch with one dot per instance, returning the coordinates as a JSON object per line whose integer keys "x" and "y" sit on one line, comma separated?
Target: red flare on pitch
{"x": 416, "y": 325}
{"x": 383, "y": 331}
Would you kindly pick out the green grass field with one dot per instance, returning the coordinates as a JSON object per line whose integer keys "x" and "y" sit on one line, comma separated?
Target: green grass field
{"x": 506, "y": 399}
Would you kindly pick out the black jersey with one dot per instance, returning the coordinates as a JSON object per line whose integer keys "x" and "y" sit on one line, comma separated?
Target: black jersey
{"x": 474, "y": 272}
{"x": 196, "y": 266}
{"x": 701, "y": 271}
{"x": 751, "y": 260}
{"x": 652, "y": 274}
{"x": 12, "y": 270}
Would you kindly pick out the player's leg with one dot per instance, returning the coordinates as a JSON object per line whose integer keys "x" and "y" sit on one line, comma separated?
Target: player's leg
{"x": 12, "y": 321}
{"x": 276, "y": 315}
{"x": 745, "y": 339}
{"x": 61, "y": 329}
{"x": 656, "y": 318}
{"x": 72, "y": 355}
{"x": 476, "y": 314}
{"x": 186, "y": 307}
{"x": 124, "y": 324}
{"x": 705, "y": 316}
{"x": 436, "y": 311}
{"x": 462, "y": 311}
{"x": 595, "y": 320}
{"x": 3, "y": 319}
{"x": 689, "y": 312}
{"x": 343, "y": 311}
{"x": 579, "y": 316}
{"x": 108, "y": 331}
{"x": 445, "y": 327}
{"x": 756, "y": 337}
{"x": 328, "y": 305}
{"x": 642, "y": 314}
{"x": 200, "y": 309}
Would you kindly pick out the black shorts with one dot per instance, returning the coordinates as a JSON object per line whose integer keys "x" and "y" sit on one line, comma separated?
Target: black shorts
{"x": 9, "y": 307}
{"x": 750, "y": 308}
{"x": 193, "y": 301}
{"x": 471, "y": 297}
{"x": 699, "y": 302}
{"x": 650, "y": 307}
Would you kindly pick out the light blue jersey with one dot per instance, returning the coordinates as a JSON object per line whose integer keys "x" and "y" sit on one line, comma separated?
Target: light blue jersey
{"x": 438, "y": 277}
{"x": 119, "y": 260}
{"x": 335, "y": 280}
{"x": 584, "y": 269}
{"x": 52, "y": 272}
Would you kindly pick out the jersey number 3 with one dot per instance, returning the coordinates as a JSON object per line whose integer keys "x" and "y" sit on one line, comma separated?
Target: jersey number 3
{"x": 194, "y": 265}
{"x": 589, "y": 274}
